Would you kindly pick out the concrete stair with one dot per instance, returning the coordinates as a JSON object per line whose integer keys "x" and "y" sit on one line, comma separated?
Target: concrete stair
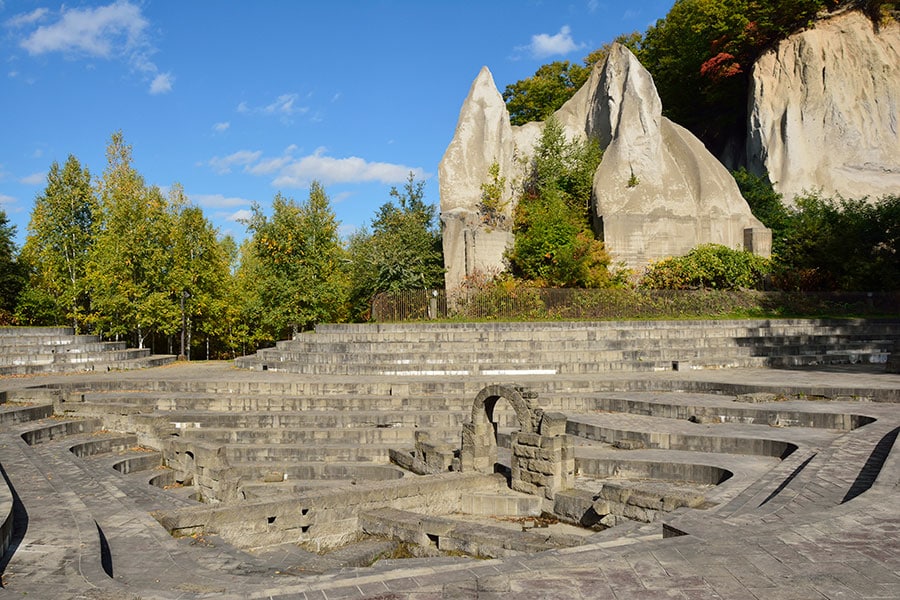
{"x": 575, "y": 348}
{"x": 294, "y": 448}
{"x": 32, "y": 350}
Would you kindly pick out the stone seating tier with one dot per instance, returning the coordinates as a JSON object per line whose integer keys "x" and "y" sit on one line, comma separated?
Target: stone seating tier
{"x": 30, "y": 350}
{"x": 307, "y": 457}
{"x": 447, "y": 349}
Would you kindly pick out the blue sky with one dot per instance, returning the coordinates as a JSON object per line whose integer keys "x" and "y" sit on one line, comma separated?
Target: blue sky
{"x": 239, "y": 100}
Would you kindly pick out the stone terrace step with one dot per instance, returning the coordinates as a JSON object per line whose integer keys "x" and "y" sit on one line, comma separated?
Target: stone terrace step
{"x": 437, "y": 349}
{"x": 33, "y": 350}
{"x": 16, "y": 332}
{"x": 597, "y": 329}
{"x": 306, "y": 472}
{"x": 539, "y": 341}
{"x": 526, "y": 358}
{"x": 318, "y": 435}
{"x": 657, "y": 432}
{"x": 190, "y": 405}
{"x": 545, "y": 367}
{"x": 836, "y": 474}
{"x": 378, "y": 453}
{"x": 61, "y": 347}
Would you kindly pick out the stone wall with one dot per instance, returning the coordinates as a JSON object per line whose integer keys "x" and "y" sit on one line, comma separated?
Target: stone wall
{"x": 326, "y": 519}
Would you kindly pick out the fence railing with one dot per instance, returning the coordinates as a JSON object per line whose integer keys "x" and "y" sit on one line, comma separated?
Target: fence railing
{"x": 525, "y": 303}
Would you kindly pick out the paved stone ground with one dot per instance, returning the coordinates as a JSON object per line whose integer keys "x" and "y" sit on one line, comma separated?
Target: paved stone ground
{"x": 811, "y": 541}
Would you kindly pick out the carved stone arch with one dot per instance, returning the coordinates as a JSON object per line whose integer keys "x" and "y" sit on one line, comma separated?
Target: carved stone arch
{"x": 479, "y": 437}
{"x": 486, "y": 401}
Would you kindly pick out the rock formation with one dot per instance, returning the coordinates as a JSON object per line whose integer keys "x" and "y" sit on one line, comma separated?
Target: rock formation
{"x": 483, "y": 136}
{"x": 658, "y": 191}
{"x": 824, "y": 109}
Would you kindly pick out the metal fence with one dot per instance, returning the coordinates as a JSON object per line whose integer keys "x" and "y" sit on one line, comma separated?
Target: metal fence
{"x": 526, "y": 303}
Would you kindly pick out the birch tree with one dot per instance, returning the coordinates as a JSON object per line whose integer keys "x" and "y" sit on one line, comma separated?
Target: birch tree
{"x": 59, "y": 241}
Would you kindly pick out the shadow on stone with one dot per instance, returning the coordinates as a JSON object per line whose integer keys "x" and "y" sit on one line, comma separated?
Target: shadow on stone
{"x": 869, "y": 473}
{"x": 19, "y": 525}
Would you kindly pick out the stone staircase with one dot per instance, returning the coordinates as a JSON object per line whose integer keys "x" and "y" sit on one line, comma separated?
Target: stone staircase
{"x": 30, "y": 350}
{"x": 272, "y": 442}
{"x": 577, "y": 348}
{"x": 286, "y": 460}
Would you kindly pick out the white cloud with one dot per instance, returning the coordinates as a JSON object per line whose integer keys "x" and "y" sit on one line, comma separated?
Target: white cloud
{"x": 91, "y": 31}
{"x": 290, "y": 171}
{"x": 544, "y": 45}
{"x": 162, "y": 84}
{"x": 221, "y": 127}
{"x": 118, "y": 31}
{"x": 337, "y": 199}
{"x": 34, "y": 179}
{"x": 284, "y": 105}
{"x": 243, "y": 158}
{"x": 327, "y": 169}
{"x": 240, "y": 216}
{"x": 218, "y": 201}
{"x": 27, "y": 18}
{"x": 270, "y": 165}
{"x": 6, "y": 200}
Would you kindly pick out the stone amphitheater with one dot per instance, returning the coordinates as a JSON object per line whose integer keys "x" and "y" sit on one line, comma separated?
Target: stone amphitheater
{"x": 693, "y": 459}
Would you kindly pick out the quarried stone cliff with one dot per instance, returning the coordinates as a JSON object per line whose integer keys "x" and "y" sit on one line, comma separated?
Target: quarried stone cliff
{"x": 658, "y": 192}
{"x": 824, "y": 110}
{"x": 483, "y": 137}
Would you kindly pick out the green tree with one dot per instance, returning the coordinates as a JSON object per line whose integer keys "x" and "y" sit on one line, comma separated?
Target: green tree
{"x": 766, "y": 205}
{"x": 12, "y": 277}
{"x": 298, "y": 264}
{"x": 402, "y": 251}
{"x": 492, "y": 206}
{"x": 200, "y": 273}
{"x": 840, "y": 244}
{"x": 539, "y": 96}
{"x": 60, "y": 235}
{"x": 701, "y": 55}
{"x": 554, "y": 244}
{"x": 131, "y": 259}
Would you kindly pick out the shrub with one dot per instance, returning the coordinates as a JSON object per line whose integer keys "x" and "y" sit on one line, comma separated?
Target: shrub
{"x": 707, "y": 266}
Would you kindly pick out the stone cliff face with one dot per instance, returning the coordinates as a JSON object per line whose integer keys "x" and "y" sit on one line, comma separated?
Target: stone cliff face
{"x": 824, "y": 110}
{"x": 483, "y": 136}
{"x": 658, "y": 192}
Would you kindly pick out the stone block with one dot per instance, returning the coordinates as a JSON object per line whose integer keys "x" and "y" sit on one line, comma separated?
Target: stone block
{"x": 553, "y": 424}
{"x": 524, "y": 487}
{"x": 522, "y": 451}
{"x": 529, "y": 439}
